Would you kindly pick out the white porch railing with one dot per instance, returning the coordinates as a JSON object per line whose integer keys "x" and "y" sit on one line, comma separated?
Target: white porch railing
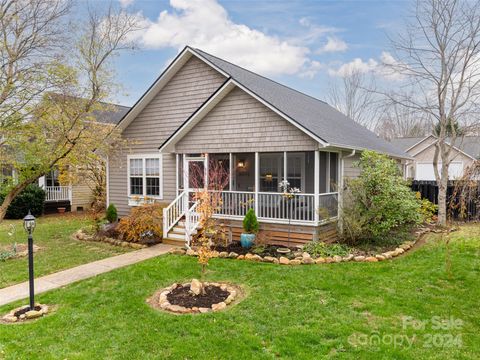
{"x": 57, "y": 193}
{"x": 174, "y": 212}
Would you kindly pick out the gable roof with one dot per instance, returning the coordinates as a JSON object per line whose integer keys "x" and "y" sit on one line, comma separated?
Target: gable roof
{"x": 315, "y": 117}
{"x": 113, "y": 115}
{"x": 470, "y": 145}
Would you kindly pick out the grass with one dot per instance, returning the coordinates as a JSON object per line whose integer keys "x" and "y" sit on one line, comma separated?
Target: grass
{"x": 303, "y": 312}
{"x": 58, "y": 251}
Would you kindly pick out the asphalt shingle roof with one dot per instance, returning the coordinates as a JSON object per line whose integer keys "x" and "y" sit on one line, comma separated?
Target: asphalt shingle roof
{"x": 314, "y": 115}
{"x": 113, "y": 115}
{"x": 469, "y": 144}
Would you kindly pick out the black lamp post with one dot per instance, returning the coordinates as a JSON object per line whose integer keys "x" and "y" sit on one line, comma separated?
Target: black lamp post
{"x": 29, "y": 225}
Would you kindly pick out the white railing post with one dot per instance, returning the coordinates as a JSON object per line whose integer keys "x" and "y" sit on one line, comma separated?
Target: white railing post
{"x": 316, "y": 186}
{"x": 257, "y": 180}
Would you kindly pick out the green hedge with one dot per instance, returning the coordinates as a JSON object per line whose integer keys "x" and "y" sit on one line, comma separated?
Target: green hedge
{"x": 32, "y": 198}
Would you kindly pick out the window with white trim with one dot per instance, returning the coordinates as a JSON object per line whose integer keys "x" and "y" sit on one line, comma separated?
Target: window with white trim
{"x": 144, "y": 175}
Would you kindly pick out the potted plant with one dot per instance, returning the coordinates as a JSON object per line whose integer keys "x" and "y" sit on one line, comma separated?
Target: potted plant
{"x": 250, "y": 228}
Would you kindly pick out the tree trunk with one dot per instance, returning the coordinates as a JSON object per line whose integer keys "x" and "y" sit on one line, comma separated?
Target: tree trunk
{"x": 11, "y": 196}
{"x": 442, "y": 197}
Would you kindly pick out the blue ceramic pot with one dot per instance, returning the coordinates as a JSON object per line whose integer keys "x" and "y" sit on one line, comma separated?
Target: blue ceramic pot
{"x": 246, "y": 240}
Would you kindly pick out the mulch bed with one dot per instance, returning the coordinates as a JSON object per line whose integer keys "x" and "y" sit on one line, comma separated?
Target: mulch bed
{"x": 182, "y": 296}
{"x": 25, "y": 310}
{"x": 236, "y": 247}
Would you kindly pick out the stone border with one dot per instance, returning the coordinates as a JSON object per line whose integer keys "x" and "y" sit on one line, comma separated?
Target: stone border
{"x": 159, "y": 299}
{"x": 82, "y": 236}
{"x": 306, "y": 259}
{"x": 10, "y": 318}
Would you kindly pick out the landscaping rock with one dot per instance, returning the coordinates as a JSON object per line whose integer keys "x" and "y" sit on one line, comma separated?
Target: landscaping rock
{"x": 270, "y": 259}
{"x": 359, "y": 258}
{"x": 240, "y": 257}
{"x": 233, "y": 255}
{"x": 283, "y": 260}
{"x": 178, "y": 309}
{"x": 348, "y": 258}
{"x": 307, "y": 261}
{"x": 10, "y": 318}
{"x": 191, "y": 252}
{"x": 229, "y": 299}
{"x": 33, "y": 314}
{"x": 256, "y": 258}
{"x": 405, "y": 246}
{"x": 295, "y": 262}
{"x": 204, "y": 310}
{"x": 214, "y": 254}
{"x": 320, "y": 260}
{"x": 399, "y": 251}
{"x": 196, "y": 287}
{"x": 248, "y": 256}
{"x": 223, "y": 255}
{"x": 371, "y": 259}
{"x": 380, "y": 257}
{"x": 219, "y": 306}
{"x": 329, "y": 260}
{"x": 337, "y": 258}
{"x": 177, "y": 251}
{"x": 306, "y": 255}
{"x": 136, "y": 246}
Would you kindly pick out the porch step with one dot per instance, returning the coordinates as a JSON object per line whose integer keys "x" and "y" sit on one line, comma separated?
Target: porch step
{"x": 170, "y": 241}
{"x": 173, "y": 235}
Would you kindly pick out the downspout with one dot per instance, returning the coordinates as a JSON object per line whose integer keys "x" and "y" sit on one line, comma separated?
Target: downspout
{"x": 340, "y": 193}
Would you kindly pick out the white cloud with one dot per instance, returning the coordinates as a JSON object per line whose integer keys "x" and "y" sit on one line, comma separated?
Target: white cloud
{"x": 125, "y": 3}
{"x": 333, "y": 44}
{"x": 378, "y": 67}
{"x": 205, "y": 24}
{"x": 312, "y": 68}
{"x": 356, "y": 64}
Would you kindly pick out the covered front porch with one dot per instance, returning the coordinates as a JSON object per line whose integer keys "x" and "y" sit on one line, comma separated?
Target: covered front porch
{"x": 253, "y": 180}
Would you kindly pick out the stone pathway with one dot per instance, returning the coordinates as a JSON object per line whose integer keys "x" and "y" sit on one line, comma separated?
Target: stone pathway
{"x": 65, "y": 277}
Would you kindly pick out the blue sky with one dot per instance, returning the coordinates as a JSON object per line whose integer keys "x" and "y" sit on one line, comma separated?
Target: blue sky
{"x": 304, "y": 44}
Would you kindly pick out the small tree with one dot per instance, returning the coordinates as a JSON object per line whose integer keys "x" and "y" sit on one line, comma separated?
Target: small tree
{"x": 378, "y": 202}
{"x": 250, "y": 222}
{"x": 111, "y": 214}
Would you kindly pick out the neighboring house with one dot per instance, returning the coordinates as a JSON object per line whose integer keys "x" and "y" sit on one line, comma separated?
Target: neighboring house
{"x": 76, "y": 197}
{"x": 422, "y": 150}
{"x": 203, "y": 109}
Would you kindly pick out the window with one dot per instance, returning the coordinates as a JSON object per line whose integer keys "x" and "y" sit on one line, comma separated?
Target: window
{"x": 144, "y": 175}
{"x": 328, "y": 176}
{"x": 271, "y": 171}
{"x": 51, "y": 178}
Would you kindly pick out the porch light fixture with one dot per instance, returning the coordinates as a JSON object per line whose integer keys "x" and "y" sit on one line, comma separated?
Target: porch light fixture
{"x": 241, "y": 164}
{"x": 29, "y": 225}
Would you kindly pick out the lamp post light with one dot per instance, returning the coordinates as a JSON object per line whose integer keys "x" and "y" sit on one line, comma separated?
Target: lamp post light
{"x": 29, "y": 225}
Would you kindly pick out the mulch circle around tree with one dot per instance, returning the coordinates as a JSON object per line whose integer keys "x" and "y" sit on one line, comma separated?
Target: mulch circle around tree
{"x": 196, "y": 297}
{"x": 24, "y": 314}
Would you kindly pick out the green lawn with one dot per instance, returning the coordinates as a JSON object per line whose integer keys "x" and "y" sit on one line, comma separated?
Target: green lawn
{"x": 58, "y": 251}
{"x": 303, "y": 312}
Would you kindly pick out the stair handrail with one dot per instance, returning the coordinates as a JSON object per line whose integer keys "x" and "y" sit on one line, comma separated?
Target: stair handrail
{"x": 174, "y": 212}
{"x": 192, "y": 219}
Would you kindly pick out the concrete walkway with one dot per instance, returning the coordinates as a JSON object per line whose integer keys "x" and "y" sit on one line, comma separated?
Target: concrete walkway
{"x": 65, "y": 277}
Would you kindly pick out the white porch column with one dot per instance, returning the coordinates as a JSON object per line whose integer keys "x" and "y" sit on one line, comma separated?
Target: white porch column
{"x": 285, "y": 165}
{"x": 186, "y": 184}
{"x": 206, "y": 171}
{"x": 316, "y": 186}
{"x": 257, "y": 180}
{"x": 230, "y": 175}
{"x": 176, "y": 175}
{"x": 41, "y": 181}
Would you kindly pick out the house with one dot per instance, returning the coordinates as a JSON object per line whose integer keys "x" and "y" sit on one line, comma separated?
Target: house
{"x": 78, "y": 196}
{"x": 203, "y": 109}
{"x": 422, "y": 150}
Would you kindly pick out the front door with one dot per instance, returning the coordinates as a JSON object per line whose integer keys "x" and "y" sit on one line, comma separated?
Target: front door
{"x": 194, "y": 170}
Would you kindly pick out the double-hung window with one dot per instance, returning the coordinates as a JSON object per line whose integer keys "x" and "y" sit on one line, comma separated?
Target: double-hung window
{"x": 144, "y": 175}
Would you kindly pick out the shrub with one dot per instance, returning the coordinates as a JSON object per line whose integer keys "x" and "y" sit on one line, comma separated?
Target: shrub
{"x": 320, "y": 249}
{"x": 427, "y": 209}
{"x": 143, "y": 224}
{"x": 111, "y": 214}
{"x": 378, "y": 202}
{"x": 31, "y": 198}
{"x": 250, "y": 222}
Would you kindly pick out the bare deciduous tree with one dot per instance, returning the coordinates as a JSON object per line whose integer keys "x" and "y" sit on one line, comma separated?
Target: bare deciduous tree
{"x": 353, "y": 95}
{"x": 55, "y": 125}
{"x": 438, "y": 55}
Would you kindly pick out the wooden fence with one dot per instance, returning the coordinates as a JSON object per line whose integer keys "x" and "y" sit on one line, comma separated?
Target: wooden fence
{"x": 429, "y": 190}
